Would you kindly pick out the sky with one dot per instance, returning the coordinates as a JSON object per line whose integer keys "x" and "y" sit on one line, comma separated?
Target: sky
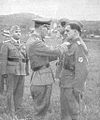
{"x": 70, "y": 9}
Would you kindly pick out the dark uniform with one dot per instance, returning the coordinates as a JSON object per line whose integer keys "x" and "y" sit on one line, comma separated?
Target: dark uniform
{"x": 72, "y": 78}
{"x": 14, "y": 68}
{"x": 42, "y": 79}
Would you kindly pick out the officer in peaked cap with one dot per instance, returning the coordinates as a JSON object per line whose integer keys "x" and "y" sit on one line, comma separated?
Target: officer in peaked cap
{"x": 43, "y": 25}
{"x": 42, "y": 77}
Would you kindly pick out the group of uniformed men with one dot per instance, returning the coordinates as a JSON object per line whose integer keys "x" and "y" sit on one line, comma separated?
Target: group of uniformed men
{"x": 71, "y": 70}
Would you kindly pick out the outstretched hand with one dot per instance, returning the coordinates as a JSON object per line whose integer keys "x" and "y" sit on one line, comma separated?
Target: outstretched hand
{"x": 64, "y": 47}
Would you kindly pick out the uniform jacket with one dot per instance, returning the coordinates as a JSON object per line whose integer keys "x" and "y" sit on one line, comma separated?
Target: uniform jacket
{"x": 39, "y": 55}
{"x": 12, "y": 49}
{"x": 74, "y": 68}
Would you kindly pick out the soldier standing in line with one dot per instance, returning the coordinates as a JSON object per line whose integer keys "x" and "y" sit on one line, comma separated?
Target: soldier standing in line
{"x": 3, "y": 81}
{"x": 42, "y": 78}
{"x": 14, "y": 69}
{"x": 73, "y": 73}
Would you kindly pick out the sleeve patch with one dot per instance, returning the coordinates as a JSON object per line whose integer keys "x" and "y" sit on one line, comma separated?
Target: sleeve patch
{"x": 80, "y": 59}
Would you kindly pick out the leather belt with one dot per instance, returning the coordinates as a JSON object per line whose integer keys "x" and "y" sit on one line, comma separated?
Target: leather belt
{"x": 17, "y": 60}
{"x": 67, "y": 67}
{"x": 39, "y": 67}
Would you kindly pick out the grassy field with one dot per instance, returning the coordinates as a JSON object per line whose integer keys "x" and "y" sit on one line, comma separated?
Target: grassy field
{"x": 91, "y": 93}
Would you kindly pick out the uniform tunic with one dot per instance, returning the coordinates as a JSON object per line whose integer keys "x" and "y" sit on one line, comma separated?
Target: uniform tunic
{"x": 39, "y": 54}
{"x": 14, "y": 65}
{"x": 72, "y": 78}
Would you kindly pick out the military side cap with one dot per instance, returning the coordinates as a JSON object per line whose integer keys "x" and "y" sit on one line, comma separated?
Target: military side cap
{"x": 41, "y": 22}
{"x": 15, "y": 28}
{"x": 78, "y": 23}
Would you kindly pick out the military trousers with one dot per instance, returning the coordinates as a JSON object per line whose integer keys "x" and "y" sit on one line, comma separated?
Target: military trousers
{"x": 70, "y": 103}
{"x": 1, "y": 84}
{"x": 15, "y": 85}
{"x": 41, "y": 95}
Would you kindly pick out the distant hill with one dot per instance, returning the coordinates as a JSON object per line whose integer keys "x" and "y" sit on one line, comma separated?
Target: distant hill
{"x": 19, "y": 19}
{"x": 25, "y": 21}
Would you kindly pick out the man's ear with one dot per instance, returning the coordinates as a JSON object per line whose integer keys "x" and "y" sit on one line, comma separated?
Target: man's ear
{"x": 76, "y": 32}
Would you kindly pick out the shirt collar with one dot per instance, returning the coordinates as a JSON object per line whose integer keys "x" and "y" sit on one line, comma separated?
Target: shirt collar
{"x": 15, "y": 41}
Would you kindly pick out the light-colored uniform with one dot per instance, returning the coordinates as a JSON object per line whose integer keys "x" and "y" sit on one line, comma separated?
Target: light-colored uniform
{"x": 39, "y": 54}
{"x": 14, "y": 65}
{"x": 73, "y": 67}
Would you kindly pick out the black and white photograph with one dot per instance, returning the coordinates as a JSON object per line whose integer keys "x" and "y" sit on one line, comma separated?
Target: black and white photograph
{"x": 49, "y": 59}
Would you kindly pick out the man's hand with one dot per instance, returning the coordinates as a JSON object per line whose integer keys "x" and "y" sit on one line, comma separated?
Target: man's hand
{"x": 66, "y": 43}
{"x": 78, "y": 42}
{"x": 64, "y": 47}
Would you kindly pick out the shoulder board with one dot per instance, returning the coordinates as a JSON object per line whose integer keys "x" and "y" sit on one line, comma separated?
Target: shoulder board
{"x": 78, "y": 42}
{"x": 6, "y": 41}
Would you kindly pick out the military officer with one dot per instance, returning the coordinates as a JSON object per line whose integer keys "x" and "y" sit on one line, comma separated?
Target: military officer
{"x": 3, "y": 81}
{"x": 14, "y": 69}
{"x": 73, "y": 73}
{"x": 42, "y": 78}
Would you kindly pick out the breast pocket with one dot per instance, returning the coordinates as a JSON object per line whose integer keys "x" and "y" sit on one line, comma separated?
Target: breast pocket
{"x": 13, "y": 53}
{"x": 11, "y": 69}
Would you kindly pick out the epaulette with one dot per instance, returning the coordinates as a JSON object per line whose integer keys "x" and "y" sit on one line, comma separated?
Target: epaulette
{"x": 6, "y": 41}
{"x": 78, "y": 42}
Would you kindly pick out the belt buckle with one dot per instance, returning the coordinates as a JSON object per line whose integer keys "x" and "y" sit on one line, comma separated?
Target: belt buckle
{"x": 20, "y": 60}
